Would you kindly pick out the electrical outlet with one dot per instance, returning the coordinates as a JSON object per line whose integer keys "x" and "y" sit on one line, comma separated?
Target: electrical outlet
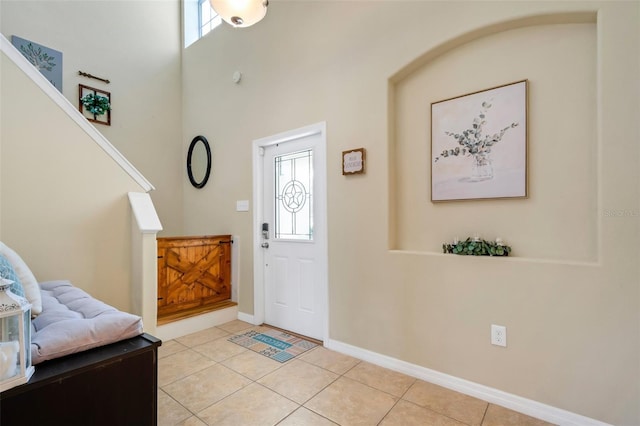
{"x": 498, "y": 335}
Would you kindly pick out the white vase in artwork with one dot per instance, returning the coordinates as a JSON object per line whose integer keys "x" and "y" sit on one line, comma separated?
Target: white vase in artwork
{"x": 482, "y": 168}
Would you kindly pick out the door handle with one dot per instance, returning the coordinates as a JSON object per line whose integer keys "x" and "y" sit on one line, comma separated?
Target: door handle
{"x": 264, "y": 245}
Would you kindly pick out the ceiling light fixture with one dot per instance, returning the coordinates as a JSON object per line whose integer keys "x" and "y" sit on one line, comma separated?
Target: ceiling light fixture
{"x": 240, "y": 13}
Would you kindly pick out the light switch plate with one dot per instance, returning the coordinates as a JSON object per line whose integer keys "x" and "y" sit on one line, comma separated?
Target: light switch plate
{"x": 242, "y": 205}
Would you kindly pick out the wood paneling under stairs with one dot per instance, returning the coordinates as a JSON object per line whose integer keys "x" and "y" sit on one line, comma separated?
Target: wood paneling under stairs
{"x": 194, "y": 276}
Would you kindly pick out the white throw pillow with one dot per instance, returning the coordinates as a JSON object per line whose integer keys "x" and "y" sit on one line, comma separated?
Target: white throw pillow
{"x": 28, "y": 280}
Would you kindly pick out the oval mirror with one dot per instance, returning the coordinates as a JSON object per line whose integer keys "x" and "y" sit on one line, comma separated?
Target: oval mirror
{"x": 199, "y": 161}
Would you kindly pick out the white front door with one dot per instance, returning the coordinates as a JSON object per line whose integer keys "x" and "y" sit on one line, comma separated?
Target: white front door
{"x": 292, "y": 232}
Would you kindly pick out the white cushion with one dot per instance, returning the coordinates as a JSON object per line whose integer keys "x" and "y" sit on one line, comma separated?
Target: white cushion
{"x": 28, "y": 280}
{"x": 73, "y": 321}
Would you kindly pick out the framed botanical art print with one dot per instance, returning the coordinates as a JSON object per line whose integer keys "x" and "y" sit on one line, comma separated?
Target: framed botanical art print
{"x": 479, "y": 145}
{"x": 46, "y": 60}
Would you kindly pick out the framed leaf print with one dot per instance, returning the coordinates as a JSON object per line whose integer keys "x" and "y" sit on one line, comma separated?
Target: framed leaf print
{"x": 479, "y": 145}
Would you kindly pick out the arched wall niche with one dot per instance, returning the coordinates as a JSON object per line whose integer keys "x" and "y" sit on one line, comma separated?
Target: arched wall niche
{"x": 557, "y": 54}
{"x": 587, "y": 17}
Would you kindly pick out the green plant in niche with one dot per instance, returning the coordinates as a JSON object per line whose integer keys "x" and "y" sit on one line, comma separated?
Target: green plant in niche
{"x": 477, "y": 247}
{"x": 96, "y": 104}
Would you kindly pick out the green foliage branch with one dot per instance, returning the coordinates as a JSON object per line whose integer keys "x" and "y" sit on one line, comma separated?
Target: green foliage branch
{"x": 39, "y": 58}
{"x": 96, "y": 104}
{"x": 472, "y": 141}
{"x": 477, "y": 247}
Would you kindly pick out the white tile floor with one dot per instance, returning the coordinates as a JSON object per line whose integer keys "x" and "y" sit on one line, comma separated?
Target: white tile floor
{"x": 206, "y": 380}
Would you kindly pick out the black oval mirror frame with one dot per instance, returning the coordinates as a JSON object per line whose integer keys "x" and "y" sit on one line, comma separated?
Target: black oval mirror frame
{"x": 192, "y": 147}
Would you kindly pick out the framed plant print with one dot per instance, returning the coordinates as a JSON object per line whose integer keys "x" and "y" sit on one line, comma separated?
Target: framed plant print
{"x": 95, "y": 104}
{"x": 46, "y": 60}
{"x": 479, "y": 145}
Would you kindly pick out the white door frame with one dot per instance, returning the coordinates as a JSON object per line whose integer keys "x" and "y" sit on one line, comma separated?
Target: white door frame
{"x": 320, "y": 180}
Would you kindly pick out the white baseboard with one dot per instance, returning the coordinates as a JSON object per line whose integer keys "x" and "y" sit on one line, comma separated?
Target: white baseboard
{"x": 186, "y": 326}
{"x": 246, "y": 318}
{"x": 494, "y": 396}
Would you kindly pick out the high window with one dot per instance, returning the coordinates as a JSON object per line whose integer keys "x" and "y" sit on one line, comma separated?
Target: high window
{"x": 198, "y": 20}
{"x": 208, "y": 19}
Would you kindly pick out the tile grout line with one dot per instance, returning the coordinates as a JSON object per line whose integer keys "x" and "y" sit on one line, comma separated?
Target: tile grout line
{"x": 486, "y": 409}
{"x": 401, "y": 398}
{"x": 308, "y": 399}
{"x": 217, "y": 402}
{"x": 297, "y": 406}
{"x": 192, "y": 348}
{"x": 252, "y": 381}
{"x": 301, "y": 407}
{"x": 180, "y": 404}
{"x": 388, "y": 411}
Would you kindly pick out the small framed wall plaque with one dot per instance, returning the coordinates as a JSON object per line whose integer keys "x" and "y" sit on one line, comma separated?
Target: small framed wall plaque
{"x": 353, "y": 161}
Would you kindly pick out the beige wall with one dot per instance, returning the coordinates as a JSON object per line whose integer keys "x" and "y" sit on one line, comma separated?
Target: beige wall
{"x": 559, "y": 62}
{"x": 136, "y": 45}
{"x": 572, "y": 313}
{"x": 63, "y": 202}
{"x": 569, "y": 297}
{"x": 67, "y": 215}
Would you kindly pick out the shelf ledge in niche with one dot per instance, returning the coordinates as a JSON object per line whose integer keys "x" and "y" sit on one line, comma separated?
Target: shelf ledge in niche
{"x": 510, "y": 258}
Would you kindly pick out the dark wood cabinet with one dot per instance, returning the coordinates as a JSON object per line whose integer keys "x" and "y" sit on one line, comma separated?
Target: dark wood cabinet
{"x": 111, "y": 385}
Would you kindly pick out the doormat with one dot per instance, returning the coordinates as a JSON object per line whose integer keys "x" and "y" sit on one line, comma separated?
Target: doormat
{"x": 275, "y": 344}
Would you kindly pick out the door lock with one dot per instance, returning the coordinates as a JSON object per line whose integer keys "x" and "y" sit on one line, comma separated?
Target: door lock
{"x": 264, "y": 245}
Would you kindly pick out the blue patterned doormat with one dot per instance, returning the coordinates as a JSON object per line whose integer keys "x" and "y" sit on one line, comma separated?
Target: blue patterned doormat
{"x": 275, "y": 344}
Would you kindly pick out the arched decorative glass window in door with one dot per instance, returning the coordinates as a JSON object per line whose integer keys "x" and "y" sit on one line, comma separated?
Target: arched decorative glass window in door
{"x": 294, "y": 196}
